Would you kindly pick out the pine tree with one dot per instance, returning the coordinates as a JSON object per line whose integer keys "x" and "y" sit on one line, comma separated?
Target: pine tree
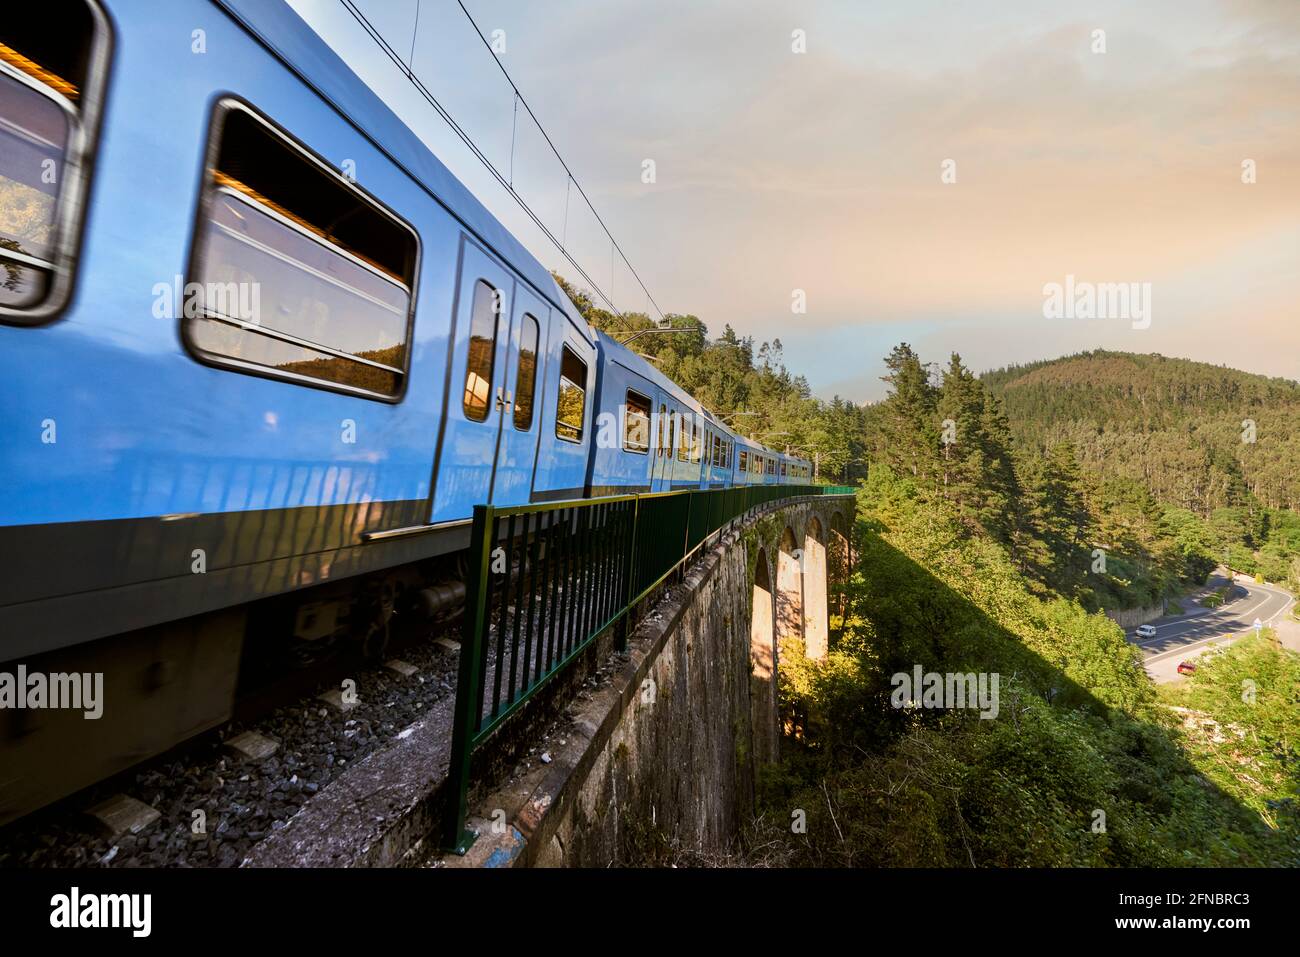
{"x": 908, "y": 422}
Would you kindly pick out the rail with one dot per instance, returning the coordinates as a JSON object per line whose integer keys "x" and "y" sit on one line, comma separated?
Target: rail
{"x": 546, "y": 580}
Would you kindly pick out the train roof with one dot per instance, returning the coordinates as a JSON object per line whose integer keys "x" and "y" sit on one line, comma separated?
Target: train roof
{"x": 626, "y": 357}
{"x": 637, "y": 363}
{"x": 288, "y": 36}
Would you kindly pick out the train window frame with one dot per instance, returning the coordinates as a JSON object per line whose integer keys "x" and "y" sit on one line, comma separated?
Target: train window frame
{"x": 527, "y": 425}
{"x": 580, "y": 429}
{"x": 643, "y": 403}
{"x": 72, "y": 199}
{"x": 744, "y": 460}
{"x": 683, "y": 437}
{"x": 470, "y": 412}
{"x": 209, "y": 190}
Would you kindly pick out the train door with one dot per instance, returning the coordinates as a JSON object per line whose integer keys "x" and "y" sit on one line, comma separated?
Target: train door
{"x": 525, "y": 349}
{"x": 472, "y": 419}
{"x": 661, "y": 466}
{"x": 681, "y": 449}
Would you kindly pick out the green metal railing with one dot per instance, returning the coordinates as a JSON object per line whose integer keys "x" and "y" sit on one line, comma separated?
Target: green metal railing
{"x": 544, "y": 581}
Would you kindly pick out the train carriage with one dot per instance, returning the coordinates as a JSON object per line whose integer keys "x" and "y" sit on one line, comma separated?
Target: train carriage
{"x": 263, "y": 355}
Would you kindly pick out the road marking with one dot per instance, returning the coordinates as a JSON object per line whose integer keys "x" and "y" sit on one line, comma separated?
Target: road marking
{"x": 1209, "y": 619}
{"x": 1197, "y": 645}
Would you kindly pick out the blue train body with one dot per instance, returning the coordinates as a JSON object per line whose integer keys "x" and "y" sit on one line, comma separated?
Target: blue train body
{"x": 143, "y": 444}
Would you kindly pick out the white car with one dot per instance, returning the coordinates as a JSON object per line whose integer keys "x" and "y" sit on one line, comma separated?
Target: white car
{"x": 1146, "y": 631}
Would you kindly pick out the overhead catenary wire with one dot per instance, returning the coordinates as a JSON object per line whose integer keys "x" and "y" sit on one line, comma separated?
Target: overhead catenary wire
{"x": 506, "y": 179}
{"x": 546, "y": 136}
{"x": 469, "y": 141}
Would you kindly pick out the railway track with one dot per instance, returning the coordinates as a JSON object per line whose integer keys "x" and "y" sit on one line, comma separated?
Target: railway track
{"x": 214, "y": 805}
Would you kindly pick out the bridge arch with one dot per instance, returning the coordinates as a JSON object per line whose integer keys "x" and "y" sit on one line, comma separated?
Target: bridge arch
{"x": 789, "y": 589}
{"x": 839, "y": 562}
{"x": 763, "y": 663}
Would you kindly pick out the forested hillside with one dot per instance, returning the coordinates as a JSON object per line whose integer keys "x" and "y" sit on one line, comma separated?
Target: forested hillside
{"x": 750, "y": 387}
{"x": 1100, "y": 538}
{"x": 1181, "y": 427}
{"x": 1216, "y": 444}
{"x": 1083, "y": 765}
{"x": 979, "y": 542}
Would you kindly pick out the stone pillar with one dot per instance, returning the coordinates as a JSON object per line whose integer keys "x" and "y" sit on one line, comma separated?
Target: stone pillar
{"x": 816, "y": 620}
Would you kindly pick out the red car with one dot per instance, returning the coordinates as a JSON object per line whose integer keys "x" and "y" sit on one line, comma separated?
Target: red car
{"x": 1186, "y": 668}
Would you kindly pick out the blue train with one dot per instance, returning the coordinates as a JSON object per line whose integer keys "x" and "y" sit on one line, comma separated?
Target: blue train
{"x": 257, "y": 341}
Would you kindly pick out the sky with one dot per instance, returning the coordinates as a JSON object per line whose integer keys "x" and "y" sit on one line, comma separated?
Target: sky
{"x": 921, "y": 171}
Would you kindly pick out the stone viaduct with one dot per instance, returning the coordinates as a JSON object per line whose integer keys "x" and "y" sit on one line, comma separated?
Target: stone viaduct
{"x": 664, "y": 751}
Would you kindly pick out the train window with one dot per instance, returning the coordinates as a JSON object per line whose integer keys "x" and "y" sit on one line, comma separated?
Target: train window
{"x": 297, "y": 273}
{"x": 526, "y": 375}
{"x": 744, "y": 461}
{"x": 664, "y": 437}
{"x": 484, "y": 314}
{"x": 636, "y": 423}
{"x": 571, "y": 406}
{"x": 50, "y": 84}
{"x": 683, "y": 438}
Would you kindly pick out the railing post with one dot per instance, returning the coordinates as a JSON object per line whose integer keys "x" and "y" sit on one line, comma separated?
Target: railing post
{"x": 456, "y": 836}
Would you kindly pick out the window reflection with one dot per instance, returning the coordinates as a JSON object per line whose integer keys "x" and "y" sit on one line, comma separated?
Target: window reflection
{"x": 482, "y": 351}
{"x": 571, "y": 405}
{"x": 526, "y": 375}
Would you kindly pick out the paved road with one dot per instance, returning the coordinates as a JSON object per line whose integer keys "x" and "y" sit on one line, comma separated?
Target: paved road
{"x": 1183, "y": 637}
